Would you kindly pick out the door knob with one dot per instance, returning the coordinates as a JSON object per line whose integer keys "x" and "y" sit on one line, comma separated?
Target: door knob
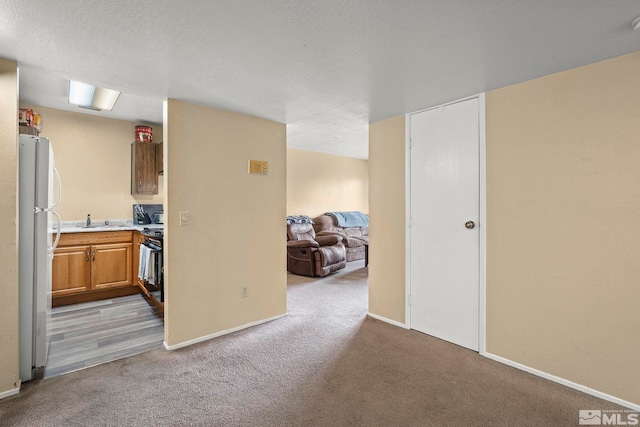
{"x": 470, "y": 224}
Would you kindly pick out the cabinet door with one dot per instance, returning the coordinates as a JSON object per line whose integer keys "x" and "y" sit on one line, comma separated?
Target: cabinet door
{"x": 144, "y": 177}
{"x": 71, "y": 270}
{"x": 111, "y": 265}
{"x": 159, "y": 158}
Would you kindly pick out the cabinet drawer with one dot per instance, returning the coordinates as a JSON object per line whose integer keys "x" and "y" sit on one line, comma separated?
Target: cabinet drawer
{"x": 73, "y": 239}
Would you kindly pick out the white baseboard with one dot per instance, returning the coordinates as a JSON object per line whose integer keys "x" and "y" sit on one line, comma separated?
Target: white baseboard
{"x": 9, "y": 393}
{"x": 218, "y": 334}
{"x": 384, "y": 319}
{"x": 564, "y": 382}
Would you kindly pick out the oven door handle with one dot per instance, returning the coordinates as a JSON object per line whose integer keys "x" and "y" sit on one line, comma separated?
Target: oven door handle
{"x": 153, "y": 247}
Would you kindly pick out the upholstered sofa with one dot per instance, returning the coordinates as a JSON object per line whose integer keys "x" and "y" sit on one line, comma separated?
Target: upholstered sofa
{"x": 353, "y": 238}
{"x": 311, "y": 255}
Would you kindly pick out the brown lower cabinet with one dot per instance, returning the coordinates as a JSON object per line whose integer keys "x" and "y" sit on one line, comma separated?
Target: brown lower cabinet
{"x": 87, "y": 265}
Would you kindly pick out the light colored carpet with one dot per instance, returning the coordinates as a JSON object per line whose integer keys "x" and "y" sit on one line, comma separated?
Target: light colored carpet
{"x": 325, "y": 364}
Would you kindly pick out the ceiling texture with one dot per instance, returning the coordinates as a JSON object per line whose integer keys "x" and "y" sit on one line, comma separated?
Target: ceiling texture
{"x": 325, "y": 68}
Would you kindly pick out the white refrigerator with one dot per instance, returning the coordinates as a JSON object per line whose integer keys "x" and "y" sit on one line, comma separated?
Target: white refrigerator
{"x": 37, "y": 174}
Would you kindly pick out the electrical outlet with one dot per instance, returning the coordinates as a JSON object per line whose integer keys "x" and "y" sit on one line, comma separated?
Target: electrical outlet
{"x": 245, "y": 292}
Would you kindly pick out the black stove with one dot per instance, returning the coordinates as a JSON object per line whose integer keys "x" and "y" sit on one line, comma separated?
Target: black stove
{"x": 154, "y": 233}
{"x": 154, "y": 240}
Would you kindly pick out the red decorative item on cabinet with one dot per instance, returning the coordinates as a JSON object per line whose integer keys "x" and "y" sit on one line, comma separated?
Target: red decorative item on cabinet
{"x": 144, "y": 133}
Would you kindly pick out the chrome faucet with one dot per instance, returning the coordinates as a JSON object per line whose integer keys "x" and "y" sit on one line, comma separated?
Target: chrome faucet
{"x": 88, "y": 220}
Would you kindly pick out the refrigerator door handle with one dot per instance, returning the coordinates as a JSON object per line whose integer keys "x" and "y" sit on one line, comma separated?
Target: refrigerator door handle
{"x": 55, "y": 244}
{"x": 57, "y": 175}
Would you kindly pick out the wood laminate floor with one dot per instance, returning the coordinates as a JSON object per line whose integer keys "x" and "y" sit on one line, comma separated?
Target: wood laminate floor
{"x": 97, "y": 332}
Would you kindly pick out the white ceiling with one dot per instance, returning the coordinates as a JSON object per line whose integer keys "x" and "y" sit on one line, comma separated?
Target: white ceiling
{"x": 325, "y": 68}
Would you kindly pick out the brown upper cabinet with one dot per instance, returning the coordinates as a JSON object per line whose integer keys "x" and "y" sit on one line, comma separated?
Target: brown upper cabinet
{"x": 144, "y": 174}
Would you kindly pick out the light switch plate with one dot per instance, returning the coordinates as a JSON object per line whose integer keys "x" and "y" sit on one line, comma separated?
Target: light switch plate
{"x": 259, "y": 167}
{"x": 184, "y": 218}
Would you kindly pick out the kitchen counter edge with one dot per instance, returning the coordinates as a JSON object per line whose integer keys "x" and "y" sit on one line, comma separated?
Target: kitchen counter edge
{"x": 65, "y": 229}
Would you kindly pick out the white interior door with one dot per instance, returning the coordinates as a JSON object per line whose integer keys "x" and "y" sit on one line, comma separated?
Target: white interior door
{"x": 444, "y": 237}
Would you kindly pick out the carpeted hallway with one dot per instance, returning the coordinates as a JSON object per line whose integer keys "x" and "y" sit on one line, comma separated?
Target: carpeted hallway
{"x": 325, "y": 364}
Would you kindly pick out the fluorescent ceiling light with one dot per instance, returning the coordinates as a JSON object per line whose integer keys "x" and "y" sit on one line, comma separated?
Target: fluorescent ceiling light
{"x": 88, "y": 96}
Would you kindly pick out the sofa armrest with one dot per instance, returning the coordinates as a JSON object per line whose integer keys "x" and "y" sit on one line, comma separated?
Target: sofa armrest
{"x": 302, "y": 244}
{"x": 329, "y": 240}
{"x": 363, "y": 239}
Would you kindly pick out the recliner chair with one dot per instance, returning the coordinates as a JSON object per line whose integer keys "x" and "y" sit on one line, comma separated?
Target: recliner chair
{"x": 313, "y": 255}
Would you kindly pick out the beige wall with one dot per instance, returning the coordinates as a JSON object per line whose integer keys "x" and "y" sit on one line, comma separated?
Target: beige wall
{"x": 318, "y": 183}
{"x": 388, "y": 219}
{"x": 562, "y": 229}
{"x": 563, "y": 200}
{"x": 9, "y": 378}
{"x": 237, "y": 233}
{"x": 93, "y": 157}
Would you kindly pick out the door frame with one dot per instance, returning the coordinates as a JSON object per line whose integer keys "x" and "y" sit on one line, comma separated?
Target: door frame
{"x": 481, "y": 222}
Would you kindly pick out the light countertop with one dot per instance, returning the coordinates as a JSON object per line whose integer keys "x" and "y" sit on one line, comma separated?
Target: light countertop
{"x": 105, "y": 225}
